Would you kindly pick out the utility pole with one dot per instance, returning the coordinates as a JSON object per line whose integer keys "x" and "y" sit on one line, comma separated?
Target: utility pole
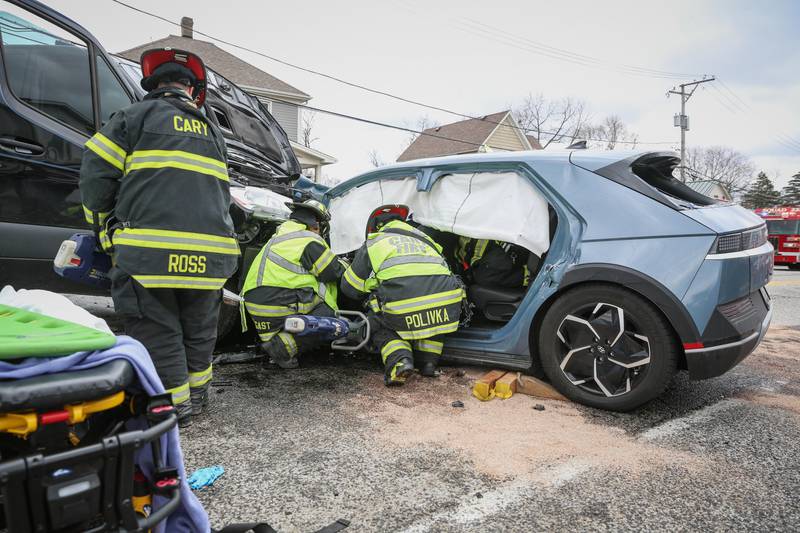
{"x": 682, "y": 120}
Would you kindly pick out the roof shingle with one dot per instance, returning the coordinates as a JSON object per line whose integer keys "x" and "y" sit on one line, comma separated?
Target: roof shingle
{"x": 457, "y": 138}
{"x": 227, "y": 64}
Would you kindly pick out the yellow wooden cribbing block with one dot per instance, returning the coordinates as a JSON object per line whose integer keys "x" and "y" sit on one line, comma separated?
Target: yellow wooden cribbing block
{"x": 506, "y": 386}
{"x": 484, "y": 387}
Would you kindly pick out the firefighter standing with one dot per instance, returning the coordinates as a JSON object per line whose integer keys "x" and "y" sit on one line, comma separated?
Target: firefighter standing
{"x": 413, "y": 297}
{"x": 295, "y": 273}
{"x": 154, "y": 185}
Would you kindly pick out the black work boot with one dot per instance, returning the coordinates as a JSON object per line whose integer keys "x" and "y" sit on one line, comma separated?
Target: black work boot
{"x": 184, "y": 410}
{"x": 399, "y": 372}
{"x": 199, "y": 396}
{"x": 428, "y": 369}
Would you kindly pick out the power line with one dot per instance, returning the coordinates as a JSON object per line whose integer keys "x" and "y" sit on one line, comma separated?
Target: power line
{"x": 504, "y": 36}
{"x": 360, "y": 86}
{"x": 736, "y": 105}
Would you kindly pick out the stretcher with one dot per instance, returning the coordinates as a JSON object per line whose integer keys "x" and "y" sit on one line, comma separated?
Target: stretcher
{"x": 67, "y": 463}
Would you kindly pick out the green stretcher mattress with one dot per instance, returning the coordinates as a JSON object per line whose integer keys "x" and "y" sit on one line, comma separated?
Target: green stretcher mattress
{"x": 27, "y": 334}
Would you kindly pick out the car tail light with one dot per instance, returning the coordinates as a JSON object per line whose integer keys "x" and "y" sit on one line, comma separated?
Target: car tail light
{"x": 737, "y": 242}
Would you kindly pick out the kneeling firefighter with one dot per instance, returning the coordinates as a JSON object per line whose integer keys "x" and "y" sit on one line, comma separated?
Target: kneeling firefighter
{"x": 294, "y": 274}
{"x": 413, "y": 297}
{"x": 154, "y": 184}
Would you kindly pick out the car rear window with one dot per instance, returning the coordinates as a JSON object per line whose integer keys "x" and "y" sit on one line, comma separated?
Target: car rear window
{"x": 651, "y": 175}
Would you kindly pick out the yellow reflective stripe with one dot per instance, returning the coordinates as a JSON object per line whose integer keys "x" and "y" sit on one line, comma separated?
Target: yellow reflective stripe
{"x": 142, "y": 154}
{"x": 429, "y": 346}
{"x": 179, "y": 282}
{"x": 198, "y": 379}
{"x": 429, "y": 332}
{"x": 105, "y": 241}
{"x": 322, "y": 263}
{"x": 353, "y": 279}
{"x": 288, "y": 341}
{"x": 142, "y": 159}
{"x": 267, "y": 335}
{"x": 180, "y": 393}
{"x": 88, "y": 214}
{"x": 176, "y": 240}
{"x": 107, "y": 150}
{"x": 374, "y": 305}
{"x": 392, "y": 346}
{"x": 480, "y": 249}
{"x": 420, "y": 303}
{"x": 268, "y": 310}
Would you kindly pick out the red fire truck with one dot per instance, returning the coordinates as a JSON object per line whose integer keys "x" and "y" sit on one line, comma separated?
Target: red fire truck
{"x": 783, "y": 226}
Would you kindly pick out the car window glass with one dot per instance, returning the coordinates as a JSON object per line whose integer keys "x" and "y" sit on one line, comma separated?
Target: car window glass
{"x": 47, "y": 67}
{"x": 783, "y": 227}
{"x": 112, "y": 96}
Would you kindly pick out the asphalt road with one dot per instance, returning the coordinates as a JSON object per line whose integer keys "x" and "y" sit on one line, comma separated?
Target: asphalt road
{"x": 785, "y": 292}
{"x": 303, "y": 448}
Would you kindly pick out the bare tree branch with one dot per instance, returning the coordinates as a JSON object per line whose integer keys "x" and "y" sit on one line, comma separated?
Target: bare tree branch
{"x": 550, "y": 121}
{"x": 726, "y": 166}
{"x": 375, "y": 158}
{"x": 307, "y": 131}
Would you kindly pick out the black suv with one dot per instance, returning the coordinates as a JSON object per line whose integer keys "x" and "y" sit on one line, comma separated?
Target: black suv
{"x": 58, "y": 86}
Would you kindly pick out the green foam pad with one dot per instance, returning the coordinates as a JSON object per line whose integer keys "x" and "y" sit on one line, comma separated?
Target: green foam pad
{"x": 27, "y": 334}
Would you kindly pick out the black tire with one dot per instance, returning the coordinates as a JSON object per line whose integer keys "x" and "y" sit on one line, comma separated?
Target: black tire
{"x": 620, "y": 373}
{"x": 794, "y": 266}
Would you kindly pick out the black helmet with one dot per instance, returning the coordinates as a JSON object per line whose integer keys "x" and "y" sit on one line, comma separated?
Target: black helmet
{"x": 310, "y": 212}
{"x": 385, "y": 214}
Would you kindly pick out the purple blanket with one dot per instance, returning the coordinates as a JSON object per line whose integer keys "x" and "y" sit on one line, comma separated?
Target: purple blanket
{"x": 190, "y": 516}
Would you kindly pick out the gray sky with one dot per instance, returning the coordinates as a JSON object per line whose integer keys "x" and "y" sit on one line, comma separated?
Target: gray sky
{"x": 436, "y": 52}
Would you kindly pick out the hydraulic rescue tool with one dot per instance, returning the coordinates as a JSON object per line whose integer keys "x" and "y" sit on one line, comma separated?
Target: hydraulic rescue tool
{"x": 348, "y": 331}
{"x": 79, "y": 259}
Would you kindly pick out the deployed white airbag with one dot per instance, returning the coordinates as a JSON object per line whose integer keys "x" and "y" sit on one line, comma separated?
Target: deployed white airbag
{"x": 483, "y": 205}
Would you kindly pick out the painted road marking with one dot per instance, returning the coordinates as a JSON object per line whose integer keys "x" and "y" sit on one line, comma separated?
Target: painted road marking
{"x": 784, "y": 282}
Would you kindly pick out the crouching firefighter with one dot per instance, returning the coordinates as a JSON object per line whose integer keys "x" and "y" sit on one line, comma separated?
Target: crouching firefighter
{"x": 412, "y": 296}
{"x": 154, "y": 186}
{"x": 294, "y": 274}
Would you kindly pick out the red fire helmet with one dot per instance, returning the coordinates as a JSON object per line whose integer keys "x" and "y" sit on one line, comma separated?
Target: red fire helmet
{"x": 152, "y": 59}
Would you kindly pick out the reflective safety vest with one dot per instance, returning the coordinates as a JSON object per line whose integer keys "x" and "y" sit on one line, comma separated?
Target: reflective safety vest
{"x": 278, "y": 265}
{"x": 159, "y": 167}
{"x": 411, "y": 285}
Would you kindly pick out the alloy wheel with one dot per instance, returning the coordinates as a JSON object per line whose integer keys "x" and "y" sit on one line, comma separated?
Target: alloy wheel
{"x": 603, "y": 350}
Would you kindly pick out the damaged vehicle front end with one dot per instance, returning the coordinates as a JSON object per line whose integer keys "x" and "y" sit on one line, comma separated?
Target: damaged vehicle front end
{"x": 57, "y": 87}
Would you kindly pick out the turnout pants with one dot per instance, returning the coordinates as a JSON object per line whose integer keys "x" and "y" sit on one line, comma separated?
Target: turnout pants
{"x": 280, "y": 345}
{"x": 177, "y": 326}
{"x": 393, "y": 348}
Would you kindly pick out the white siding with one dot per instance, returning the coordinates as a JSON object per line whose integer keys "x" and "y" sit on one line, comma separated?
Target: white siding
{"x": 505, "y": 138}
{"x": 288, "y": 117}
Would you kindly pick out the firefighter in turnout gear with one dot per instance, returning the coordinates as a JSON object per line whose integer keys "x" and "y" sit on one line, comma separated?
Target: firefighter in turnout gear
{"x": 294, "y": 274}
{"x": 492, "y": 263}
{"x": 154, "y": 186}
{"x": 412, "y": 296}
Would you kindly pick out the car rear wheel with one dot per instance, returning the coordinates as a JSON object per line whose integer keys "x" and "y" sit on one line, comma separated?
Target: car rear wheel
{"x": 605, "y": 346}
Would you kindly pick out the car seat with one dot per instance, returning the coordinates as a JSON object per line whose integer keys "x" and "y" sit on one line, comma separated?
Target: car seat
{"x": 66, "y": 458}
{"x": 499, "y": 304}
